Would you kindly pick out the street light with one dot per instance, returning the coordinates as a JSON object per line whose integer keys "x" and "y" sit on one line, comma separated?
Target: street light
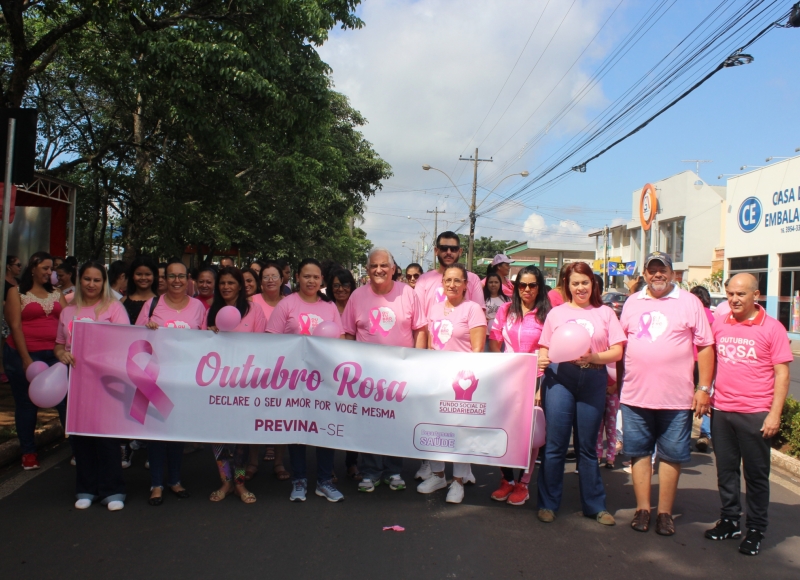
{"x": 743, "y": 167}
{"x": 472, "y": 207}
{"x": 721, "y": 175}
{"x": 768, "y": 159}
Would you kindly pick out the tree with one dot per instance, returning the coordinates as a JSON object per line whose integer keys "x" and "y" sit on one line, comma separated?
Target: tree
{"x": 484, "y": 248}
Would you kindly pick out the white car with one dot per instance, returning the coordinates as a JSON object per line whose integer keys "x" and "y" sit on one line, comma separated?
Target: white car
{"x": 716, "y": 299}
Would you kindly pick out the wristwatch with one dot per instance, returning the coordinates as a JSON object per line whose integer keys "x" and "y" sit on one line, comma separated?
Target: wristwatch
{"x": 707, "y": 390}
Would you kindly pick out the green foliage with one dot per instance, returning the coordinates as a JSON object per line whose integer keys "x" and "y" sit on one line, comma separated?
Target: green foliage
{"x": 486, "y": 248}
{"x": 790, "y": 426}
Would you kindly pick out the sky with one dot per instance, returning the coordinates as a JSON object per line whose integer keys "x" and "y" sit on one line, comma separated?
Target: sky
{"x": 437, "y": 78}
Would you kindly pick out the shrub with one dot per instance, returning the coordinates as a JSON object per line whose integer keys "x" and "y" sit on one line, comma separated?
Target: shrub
{"x": 790, "y": 426}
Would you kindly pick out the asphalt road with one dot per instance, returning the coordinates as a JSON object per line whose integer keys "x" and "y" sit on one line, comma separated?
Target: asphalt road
{"x": 43, "y": 536}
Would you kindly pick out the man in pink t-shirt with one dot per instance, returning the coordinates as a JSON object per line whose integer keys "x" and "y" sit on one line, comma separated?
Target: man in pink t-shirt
{"x": 388, "y": 313}
{"x": 753, "y": 356}
{"x": 662, "y": 324}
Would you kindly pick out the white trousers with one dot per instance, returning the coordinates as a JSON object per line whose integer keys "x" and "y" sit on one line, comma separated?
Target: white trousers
{"x": 459, "y": 469}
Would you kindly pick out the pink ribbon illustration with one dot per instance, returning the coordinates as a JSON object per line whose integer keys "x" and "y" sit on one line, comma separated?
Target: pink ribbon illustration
{"x": 305, "y": 324}
{"x": 375, "y": 320}
{"x": 644, "y": 327}
{"x": 435, "y": 335}
{"x": 144, "y": 379}
{"x": 440, "y": 297}
{"x": 465, "y": 394}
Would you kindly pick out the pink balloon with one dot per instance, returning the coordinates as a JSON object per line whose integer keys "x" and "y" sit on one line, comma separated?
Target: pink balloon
{"x": 54, "y": 278}
{"x": 569, "y": 342}
{"x": 327, "y": 329}
{"x": 50, "y": 386}
{"x": 35, "y": 368}
{"x": 539, "y": 425}
{"x": 228, "y": 318}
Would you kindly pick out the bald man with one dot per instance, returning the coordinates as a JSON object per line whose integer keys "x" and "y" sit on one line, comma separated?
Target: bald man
{"x": 753, "y": 356}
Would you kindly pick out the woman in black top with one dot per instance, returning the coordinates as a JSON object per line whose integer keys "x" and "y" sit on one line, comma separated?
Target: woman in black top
{"x": 142, "y": 286}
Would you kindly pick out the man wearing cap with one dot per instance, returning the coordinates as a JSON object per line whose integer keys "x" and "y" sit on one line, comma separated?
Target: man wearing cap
{"x": 662, "y": 323}
{"x": 753, "y": 356}
{"x": 501, "y": 265}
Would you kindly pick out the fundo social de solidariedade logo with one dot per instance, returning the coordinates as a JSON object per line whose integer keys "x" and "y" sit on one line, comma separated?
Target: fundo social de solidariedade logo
{"x": 751, "y": 211}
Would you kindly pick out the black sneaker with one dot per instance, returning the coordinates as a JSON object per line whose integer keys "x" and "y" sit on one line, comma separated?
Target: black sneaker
{"x": 724, "y": 530}
{"x": 127, "y": 456}
{"x": 702, "y": 444}
{"x": 752, "y": 543}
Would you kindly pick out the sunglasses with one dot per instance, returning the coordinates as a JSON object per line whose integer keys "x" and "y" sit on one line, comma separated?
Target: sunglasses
{"x": 452, "y": 249}
{"x": 525, "y": 286}
{"x": 413, "y": 276}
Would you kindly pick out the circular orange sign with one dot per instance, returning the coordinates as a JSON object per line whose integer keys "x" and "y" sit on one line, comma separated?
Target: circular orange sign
{"x": 648, "y": 206}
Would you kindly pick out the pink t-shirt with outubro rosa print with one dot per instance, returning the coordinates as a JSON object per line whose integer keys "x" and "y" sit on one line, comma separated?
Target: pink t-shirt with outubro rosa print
{"x": 601, "y": 323}
{"x": 747, "y": 353}
{"x": 659, "y": 361}
{"x": 115, "y": 314}
{"x": 451, "y": 332}
{"x": 293, "y": 315}
{"x": 253, "y": 321}
{"x": 389, "y": 319}
{"x": 191, "y": 316}
{"x": 430, "y": 290}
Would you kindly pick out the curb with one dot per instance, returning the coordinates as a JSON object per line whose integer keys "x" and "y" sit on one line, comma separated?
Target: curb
{"x": 9, "y": 451}
{"x": 785, "y": 463}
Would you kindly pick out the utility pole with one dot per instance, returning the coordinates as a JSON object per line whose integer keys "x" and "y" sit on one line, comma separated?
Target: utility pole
{"x": 435, "y": 213}
{"x": 472, "y": 214}
{"x": 605, "y": 257}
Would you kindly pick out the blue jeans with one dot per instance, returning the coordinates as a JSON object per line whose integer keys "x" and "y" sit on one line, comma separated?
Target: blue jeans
{"x": 24, "y": 409}
{"x": 297, "y": 457}
{"x": 159, "y": 452}
{"x": 705, "y": 427}
{"x": 374, "y": 466}
{"x": 572, "y": 396}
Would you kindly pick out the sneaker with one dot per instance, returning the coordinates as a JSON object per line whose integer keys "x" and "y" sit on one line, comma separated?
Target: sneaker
{"x": 368, "y": 485}
{"x": 299, "y": 490}
{"x": 724, "y": 530}
{"x": 82, "y": 504}
{"x": 30, "y": 461}
{"x": 395, "y": 482}
{"x": 127, "y": 456}
{"x": 136, "y": 445}
{"x": 752, "y": 543}
{"x": 147, "y": 464}
{"x": 546, "y": 516}
{"x": 502, "y": 492}
{"x": 702, "y": 444}
{"x": 327, "y": 490}
{"x": 433, "y": 483}
{"x": 469, "y": 478}
{"x": 520, "y": 494}
{"x": 115, "y": 506}
{"x": 424, "y": 472}
{"x": 72, "y": 461}
{"x": 456, "y": 493}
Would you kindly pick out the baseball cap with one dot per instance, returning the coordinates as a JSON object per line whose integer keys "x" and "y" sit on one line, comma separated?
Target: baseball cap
{"x": 501, "y": 259}
{"x": 661, "y": 257}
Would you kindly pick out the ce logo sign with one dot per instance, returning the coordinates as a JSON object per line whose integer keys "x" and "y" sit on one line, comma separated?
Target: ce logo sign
{"x": 749, "y": 214}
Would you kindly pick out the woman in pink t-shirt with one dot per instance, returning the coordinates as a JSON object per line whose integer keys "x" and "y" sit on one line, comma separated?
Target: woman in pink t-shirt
{"x": 270, "y": 293}
{"x": 250, "y": 283}
{"x": 557, "y": 295}
{"x": 173, "y": 309}
{"x": 205, "y": 286}
{"x": 518, "y": 326}
{"x": 455, "y": 325}
{"x": 232, "y": 458}
{"x": 98, "y": 468}
{"x": 300, "y": 313}
{"x": 574, "y": 392}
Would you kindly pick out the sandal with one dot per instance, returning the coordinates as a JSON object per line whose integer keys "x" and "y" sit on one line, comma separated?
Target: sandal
{"x": 156, "y": 501}
{"x": 247, "y": 497}
{"x": 270, "y": 454}
{"x": 219, "y": 495}
{"x": 248, "y": 475}
{"x": 641, "y": 520}
{"x": 665, "y": 525}
{"x": 354, "y": 473}
{"x": 281, "y": 473}
{"x": 180, "y": 493}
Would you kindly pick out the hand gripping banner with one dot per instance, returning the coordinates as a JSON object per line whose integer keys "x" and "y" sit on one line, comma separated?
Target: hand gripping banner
{"x": 186, "y": 385}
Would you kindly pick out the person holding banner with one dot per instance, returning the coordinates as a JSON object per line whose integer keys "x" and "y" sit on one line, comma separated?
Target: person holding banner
{"x": 98, "y": 468}
{"x": 232, "y": 459}
{"x": 574, "y": 392}
{"x": 142, "y": 286}
{"x": 456, "y": 325}
{"x": 270, "y": 293}
{"x": 301, "y": 313}
{"x": 31, "y": 310}
{"x": 518, "y": 325}
{"x": 174, "y": 309}
{"x": 388, "y": 313}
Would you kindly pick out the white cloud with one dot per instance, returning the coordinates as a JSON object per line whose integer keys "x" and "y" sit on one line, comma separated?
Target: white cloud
{"x": 564, "y": 234}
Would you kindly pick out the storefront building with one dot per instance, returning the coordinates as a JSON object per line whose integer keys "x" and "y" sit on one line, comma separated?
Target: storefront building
{"x": 763, "y": 236}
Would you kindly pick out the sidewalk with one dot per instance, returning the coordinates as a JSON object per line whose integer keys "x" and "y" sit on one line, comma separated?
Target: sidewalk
{"x": 48, "y": 427}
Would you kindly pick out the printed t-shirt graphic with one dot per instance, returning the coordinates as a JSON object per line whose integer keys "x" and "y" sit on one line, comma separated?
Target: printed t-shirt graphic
{"x": 115, "y": 313}
{"x": 451, "y": 332}
{"x": 293, "y": 315}
{"x": 189, "y": 317}
{"x": 601, "y": 324}
{"x": 387, "y": 319}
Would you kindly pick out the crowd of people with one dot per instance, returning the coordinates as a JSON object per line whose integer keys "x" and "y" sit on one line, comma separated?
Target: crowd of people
{"x": 664, "y": 362}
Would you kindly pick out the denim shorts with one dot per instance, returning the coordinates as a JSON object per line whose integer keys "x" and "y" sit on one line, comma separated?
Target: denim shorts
{"x": 668, "y": 431}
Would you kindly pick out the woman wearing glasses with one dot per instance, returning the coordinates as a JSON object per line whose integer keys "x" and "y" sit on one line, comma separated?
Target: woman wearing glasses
{"x": 413, "y": 272}
{"x": 174, "y": 309}
{"x": 455, "y": 325}
{"x": 518, "y": 326}
{"x": 340, "y": 284}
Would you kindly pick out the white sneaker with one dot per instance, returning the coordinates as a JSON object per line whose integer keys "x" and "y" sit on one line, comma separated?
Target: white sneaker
{"x": 469, "y": 478}
{"x": 395, "y": 483}
{"x": 433, "y": 483}
{"x": 456, "y": 493}
{"x": 424, "y": 472}
{"x": 115, "y": 506}
{"x": 82, "y": 504}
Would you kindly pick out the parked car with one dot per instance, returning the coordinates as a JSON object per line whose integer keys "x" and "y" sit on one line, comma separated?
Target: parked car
{"x": 615, "y": 300}
{"x": 716, "y": 299}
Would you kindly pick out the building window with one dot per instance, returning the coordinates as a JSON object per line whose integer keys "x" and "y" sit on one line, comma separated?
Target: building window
{"x": 789, "y": 292}
{"x": 757, "y": 266}
{"x": 671, "y": 232}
